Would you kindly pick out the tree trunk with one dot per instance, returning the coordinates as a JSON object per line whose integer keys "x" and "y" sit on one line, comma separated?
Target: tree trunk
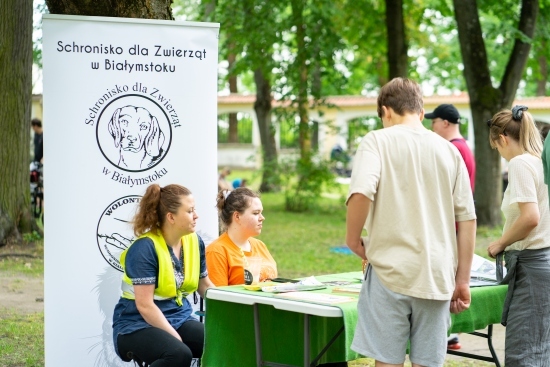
{"x": 209, "y": 8}
{"x": 262, "y": 106}
{"x": 302, "y": 69}
{"x": 316, "y": 85}
{"x": 15, "y": 117}
{"x": 397, "y": 42}
{"x": 233, "y": 135}
{"x": 543, "y": 70}
{"x": 147, "y": 9}
{"x": 485, "y": 100}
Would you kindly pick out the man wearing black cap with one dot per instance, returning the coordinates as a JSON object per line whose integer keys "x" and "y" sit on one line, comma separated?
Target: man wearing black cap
{"x": 445, "y": 122}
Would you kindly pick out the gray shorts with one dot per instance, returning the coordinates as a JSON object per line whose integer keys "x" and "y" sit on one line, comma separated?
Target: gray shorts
{"x": 387, "y": 321}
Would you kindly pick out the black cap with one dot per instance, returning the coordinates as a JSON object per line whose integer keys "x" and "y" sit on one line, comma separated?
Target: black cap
{"x": 446, "y": 112}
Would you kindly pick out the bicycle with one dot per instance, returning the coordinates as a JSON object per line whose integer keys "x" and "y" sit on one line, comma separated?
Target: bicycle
{"x": 37, "y": 190}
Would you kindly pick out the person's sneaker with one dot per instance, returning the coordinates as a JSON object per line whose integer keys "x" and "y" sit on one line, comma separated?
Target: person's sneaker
{"x": 452, "y": 339}
{"x": 453, "y": 344}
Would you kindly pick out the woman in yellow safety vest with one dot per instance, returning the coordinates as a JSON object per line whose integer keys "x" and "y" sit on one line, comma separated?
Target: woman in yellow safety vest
{"x": 153, "y": 319}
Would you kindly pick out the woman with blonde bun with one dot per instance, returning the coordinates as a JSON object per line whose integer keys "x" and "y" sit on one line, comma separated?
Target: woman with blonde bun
{"x": 525, "y": 241}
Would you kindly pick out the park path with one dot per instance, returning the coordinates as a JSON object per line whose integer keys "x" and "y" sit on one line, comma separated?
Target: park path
{"x": 21, "y": 294}
{"x": 477, "y": 345}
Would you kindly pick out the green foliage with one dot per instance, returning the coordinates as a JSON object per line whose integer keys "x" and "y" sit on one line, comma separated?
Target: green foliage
{"x": 303, "y": 181}
{"x": 190, "y": 10}
{"x": 39, "y": 8}
{"x": 271, "y": 176}
{"x": 346, "y": 42}
{"x": 288, "y": 128}
{"x": 435, "y": 49}
{"x": 251, "y": 29}
{"x": 358, "y": 128}
{"x": 363, "y": 29}
{"x": 21, "y": 339}
{"x": 244, "y": 128}
{"x": 537, "y": 64}
{"x": 31, "y": 237}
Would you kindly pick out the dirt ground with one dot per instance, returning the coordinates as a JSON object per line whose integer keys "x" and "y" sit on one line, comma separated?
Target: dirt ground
{"x": 20, "y": 293}
{"x": 477, "y": 345}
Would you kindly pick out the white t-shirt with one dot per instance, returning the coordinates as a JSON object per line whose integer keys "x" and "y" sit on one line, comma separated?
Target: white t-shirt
{"x": 526, "y": 185}
{"x": 419, "y": 187}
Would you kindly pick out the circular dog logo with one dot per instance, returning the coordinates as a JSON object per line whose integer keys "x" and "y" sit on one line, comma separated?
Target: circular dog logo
{"x": 114, "y": 232}
{"x": 133, "y": 133}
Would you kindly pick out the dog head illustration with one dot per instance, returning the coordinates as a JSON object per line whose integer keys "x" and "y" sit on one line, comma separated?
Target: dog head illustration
{"x": 134, "y": 129}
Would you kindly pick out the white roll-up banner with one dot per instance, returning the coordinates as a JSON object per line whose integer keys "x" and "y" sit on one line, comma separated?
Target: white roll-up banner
{"x": 127, "y": 103}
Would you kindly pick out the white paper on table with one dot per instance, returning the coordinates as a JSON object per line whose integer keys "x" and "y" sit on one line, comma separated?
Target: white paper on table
{"x": 303, "y": 285}
{"x": 484, "y": 272}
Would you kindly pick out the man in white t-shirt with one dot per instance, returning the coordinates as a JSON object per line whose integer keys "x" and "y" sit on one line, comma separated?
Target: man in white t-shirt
{"x": 408, "y": 188}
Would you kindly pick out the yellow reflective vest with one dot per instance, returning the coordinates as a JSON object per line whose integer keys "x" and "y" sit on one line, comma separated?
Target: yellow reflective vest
{"x": 165, "y": 278}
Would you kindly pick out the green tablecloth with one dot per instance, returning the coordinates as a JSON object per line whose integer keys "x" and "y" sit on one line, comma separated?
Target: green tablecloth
{"x": 230, "y": 327}
{"x": 486, "y": 309}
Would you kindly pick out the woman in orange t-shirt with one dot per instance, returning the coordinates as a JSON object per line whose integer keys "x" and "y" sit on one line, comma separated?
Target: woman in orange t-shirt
{"x": 240, "y": 211}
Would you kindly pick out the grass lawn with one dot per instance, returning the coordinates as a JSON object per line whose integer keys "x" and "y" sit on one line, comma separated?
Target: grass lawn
{"x": 21, "y": 339}
{"x": 303, "y": 244}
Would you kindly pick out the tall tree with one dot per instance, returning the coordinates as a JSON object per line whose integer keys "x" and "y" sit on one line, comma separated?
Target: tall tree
{"x": 262, "y": 106}
{"x": 396, "y": 38}
{"x": 262, "y": 62}
{"x": 537, "y": 79}
{"x": 233, "y": 133}
{"x": 485, "y": 99}
{"x": 302, "y": 79}
{"x": 251, "y": 30}
{"x": 15, "y": 115}
{"x": 147, "y": 9}
{"x": 314, "y": 44}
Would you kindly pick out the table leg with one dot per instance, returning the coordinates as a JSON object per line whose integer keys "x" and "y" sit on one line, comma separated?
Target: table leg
{"x": 257, "y": 335}
{"x": 316, "y": 359}
{"x": 490, "y": 342}
{"x": 306, "y": 340}
{"x": 307, "y": 347}
{"x": 489, "y": 337}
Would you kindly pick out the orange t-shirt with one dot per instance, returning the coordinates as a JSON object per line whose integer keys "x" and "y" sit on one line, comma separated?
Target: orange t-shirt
{"x": 224, "y": 261}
